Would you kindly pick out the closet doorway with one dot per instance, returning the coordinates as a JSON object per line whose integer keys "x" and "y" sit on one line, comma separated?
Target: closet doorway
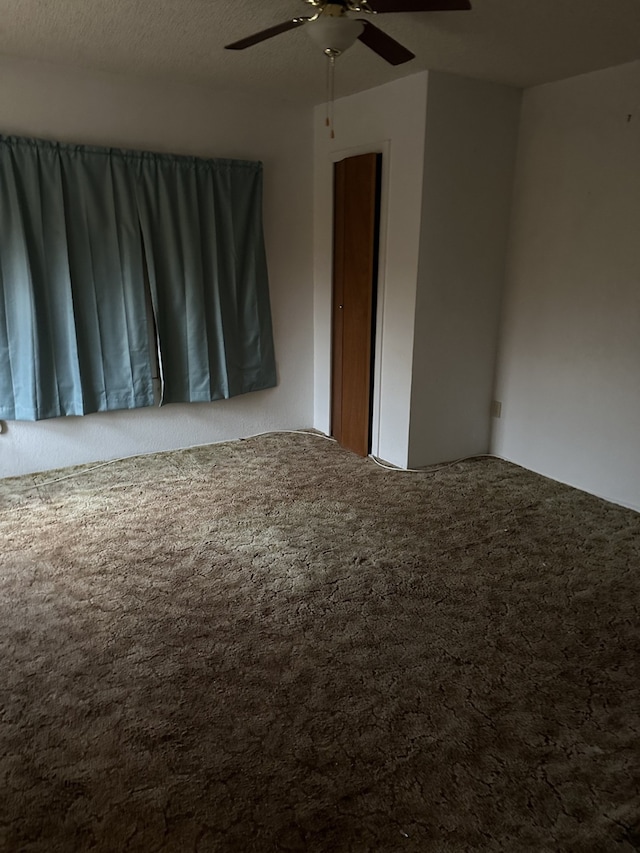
{"x": 356, "y": 225}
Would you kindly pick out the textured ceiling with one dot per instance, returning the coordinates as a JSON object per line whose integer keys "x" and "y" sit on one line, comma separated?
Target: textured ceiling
{"x": 521, "y": 42}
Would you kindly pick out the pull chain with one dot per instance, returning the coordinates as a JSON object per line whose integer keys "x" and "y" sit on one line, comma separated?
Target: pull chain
{"x": 331, "y": 73}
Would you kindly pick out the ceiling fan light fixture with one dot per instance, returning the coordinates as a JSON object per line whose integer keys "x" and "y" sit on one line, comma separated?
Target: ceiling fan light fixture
{"x": 334, "y": 34}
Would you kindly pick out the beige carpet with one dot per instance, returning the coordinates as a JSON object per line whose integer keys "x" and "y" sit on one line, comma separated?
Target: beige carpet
{"x": 273, "y": 645}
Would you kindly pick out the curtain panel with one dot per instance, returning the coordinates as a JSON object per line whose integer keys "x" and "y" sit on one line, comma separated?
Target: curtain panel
{"x": 202, "y": 226}
{"x": 73, "y": 333}
{"x": 79, "y": 226}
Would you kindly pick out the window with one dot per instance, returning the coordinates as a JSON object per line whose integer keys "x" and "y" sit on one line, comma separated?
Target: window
{"x": 78, "y": 227}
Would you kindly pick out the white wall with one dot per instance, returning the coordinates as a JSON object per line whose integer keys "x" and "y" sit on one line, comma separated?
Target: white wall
{"x": 77, "y": 106}
{"x": 388, "y": 119}
{"x": 569, "y": 364}
{"x": 471, "y": 137}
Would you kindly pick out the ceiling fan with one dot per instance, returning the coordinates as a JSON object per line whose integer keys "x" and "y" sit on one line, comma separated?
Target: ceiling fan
{"x": 334, "y": 30}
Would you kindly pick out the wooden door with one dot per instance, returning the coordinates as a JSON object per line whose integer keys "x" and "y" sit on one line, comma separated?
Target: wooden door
{"x": 355, "y": 270}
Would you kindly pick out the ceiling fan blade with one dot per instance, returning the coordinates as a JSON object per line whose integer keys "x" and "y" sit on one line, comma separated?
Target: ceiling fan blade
{"x": 263, "y": 35}
{"x": 420, "y": 5}
{"x": 384, "y": 45}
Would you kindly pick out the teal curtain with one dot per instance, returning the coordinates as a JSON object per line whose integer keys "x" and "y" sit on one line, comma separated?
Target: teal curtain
{"x": 78, "y": 225}
{"x": 202, "y": 227}
{"x": 73, "y": 333}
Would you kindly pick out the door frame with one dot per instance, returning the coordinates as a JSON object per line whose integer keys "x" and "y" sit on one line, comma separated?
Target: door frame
{"x": 383, "y": 148}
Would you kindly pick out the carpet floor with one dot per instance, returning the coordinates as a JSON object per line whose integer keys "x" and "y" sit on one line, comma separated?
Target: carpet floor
{"x": 273, "y": 645}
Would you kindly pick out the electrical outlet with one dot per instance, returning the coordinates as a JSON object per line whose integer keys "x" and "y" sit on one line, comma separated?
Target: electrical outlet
{"x": 496, "y": 409}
